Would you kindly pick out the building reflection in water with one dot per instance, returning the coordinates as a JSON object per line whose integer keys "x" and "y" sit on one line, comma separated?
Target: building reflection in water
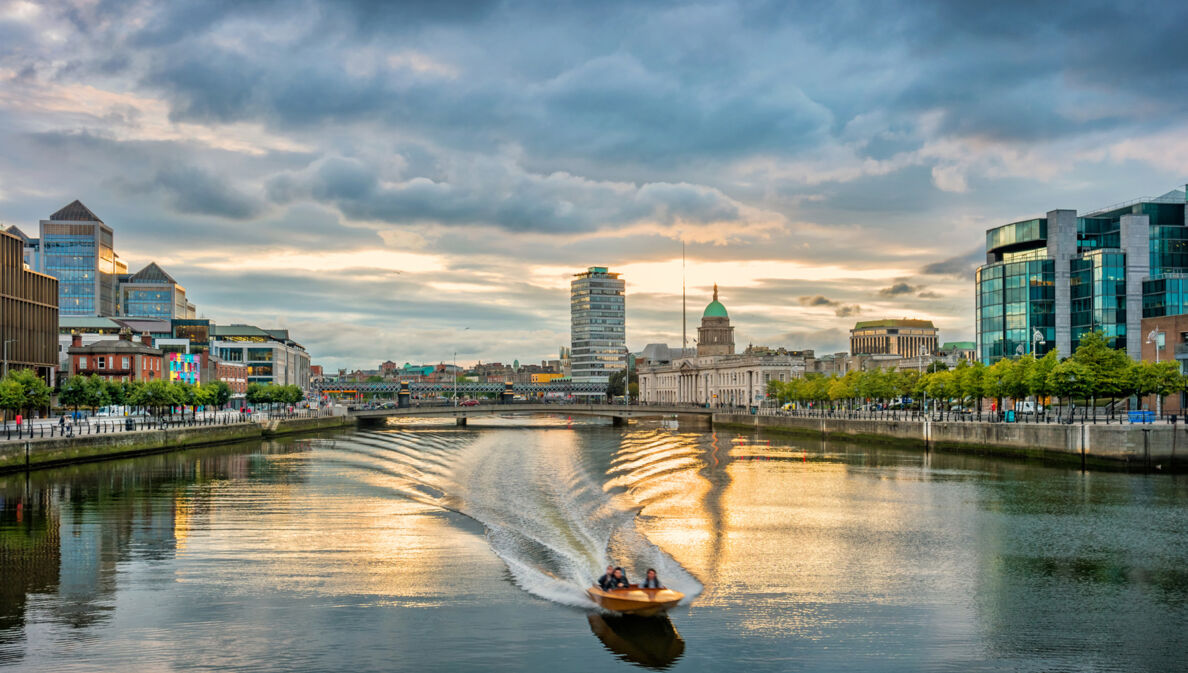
{"x": 64, "y": 533}
{"x": 652, "y": 642}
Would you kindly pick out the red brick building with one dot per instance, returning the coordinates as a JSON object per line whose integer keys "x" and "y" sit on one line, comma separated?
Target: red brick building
{"x": 120, "y": 360}
{"x": 234, "y": 374}
{"x": 1173, "y": 331}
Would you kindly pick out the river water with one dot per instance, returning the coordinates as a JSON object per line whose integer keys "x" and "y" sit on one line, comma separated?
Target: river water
{"x": 468, "y": 549}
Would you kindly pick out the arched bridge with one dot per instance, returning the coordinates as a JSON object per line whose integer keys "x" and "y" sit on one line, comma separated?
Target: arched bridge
{"x": 618, "y": 413}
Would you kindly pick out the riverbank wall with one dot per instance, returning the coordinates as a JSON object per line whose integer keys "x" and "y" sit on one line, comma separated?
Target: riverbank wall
{"x": 38, "y": 453}
{"x": 1156, "y": 447}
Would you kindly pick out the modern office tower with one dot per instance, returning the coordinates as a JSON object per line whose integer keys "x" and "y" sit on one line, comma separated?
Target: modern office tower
{"x": 28, "y": 313}
{"x": 76, "y": 248}
{"x": 152, "y": 293}
{"x": 1050, "y": 280}
{"x": 597, "y": 335}
{"x": 904, "y": 337}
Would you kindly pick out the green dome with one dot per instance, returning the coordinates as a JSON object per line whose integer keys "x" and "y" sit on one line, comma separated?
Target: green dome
{"x": 715, "y": 310}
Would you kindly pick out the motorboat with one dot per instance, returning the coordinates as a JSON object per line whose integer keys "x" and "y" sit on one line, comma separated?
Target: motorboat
{"x": 634, "y": 600}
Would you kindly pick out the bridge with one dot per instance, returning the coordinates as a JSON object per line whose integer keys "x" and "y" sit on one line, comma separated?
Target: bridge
{"x": 618, "y": 413}
{"x": 463, "y": 388}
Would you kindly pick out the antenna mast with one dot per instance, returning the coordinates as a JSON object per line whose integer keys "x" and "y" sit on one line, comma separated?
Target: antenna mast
{"x": 684, "y": 319}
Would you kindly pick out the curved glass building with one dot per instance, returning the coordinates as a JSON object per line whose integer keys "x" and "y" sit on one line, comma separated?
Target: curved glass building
{"x": 1047, "y": 281}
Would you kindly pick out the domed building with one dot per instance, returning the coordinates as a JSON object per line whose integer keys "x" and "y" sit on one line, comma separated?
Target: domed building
{"x": 716, "y": 376}
{"x": 715, "y": 336}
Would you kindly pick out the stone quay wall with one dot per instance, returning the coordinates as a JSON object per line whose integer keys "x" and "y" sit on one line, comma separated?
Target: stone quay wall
{"x": 17, "y": 455}
{"x": 1154, "y": 446}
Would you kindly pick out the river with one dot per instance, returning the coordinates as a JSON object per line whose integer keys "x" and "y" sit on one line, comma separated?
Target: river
{"x": 435, "y": 548}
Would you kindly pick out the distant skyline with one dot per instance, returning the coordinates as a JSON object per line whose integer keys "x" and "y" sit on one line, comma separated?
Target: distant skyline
{"x": 377, "y": 177}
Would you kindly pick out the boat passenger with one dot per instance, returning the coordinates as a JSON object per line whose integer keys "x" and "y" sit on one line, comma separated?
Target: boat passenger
{"x": 652, "y": 581}
{"x": 607, "y": 580}
{"x": 619, "y": 579}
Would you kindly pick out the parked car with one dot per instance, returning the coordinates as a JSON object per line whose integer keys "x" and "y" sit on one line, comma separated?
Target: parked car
{"x": 470, "y": 403}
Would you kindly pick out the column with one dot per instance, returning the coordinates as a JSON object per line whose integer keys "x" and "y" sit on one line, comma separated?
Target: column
{"x": 1135, "y": 234}
{"x": 1062, "y": 247}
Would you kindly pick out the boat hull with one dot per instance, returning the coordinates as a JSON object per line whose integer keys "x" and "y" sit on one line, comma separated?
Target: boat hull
{"x": 635, "y": 601}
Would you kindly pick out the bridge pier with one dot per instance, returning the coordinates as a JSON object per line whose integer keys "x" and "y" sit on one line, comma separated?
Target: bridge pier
{"x": 618, "y": 421}
{"x": 460, "y": 421}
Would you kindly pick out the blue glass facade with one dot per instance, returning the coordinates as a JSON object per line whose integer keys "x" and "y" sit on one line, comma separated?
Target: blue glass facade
{"x": 1017, "y": 292}
{"x": 74, "y": 261}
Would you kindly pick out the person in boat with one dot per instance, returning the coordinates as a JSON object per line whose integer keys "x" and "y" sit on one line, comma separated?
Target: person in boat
{"x": 607, "y": 580}
{"x": 652, "y": 581}
{"x": 619, "y": 579}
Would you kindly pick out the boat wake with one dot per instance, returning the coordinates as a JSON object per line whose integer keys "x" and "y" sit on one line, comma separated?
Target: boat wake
{"x": 557, "y": 506}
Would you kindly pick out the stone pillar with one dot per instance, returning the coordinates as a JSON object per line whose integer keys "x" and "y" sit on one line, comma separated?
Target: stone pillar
{"x": 1062, "y": 247}
{"x": 1135, "y": 234}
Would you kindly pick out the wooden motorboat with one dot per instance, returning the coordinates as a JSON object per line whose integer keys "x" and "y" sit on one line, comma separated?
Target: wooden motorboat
{"x": 634, "y": 600}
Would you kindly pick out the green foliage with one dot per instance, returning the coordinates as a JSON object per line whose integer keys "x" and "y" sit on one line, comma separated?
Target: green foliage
{"x": 221, "y": 393}
{"x": 95, "y": 392}
{"x": 1106, "y": 367}
{"x": 12, "y": 395}
{"x": 34, "y": 391}
{"x": 1071, "y": 379}
{"x": 73, "y": 392}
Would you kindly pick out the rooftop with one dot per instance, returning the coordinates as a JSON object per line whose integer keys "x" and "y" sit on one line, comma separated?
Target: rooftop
{"x": 116, "y": 346}
{"x": 75, "y": 211}
{"x": 894, "y": 322}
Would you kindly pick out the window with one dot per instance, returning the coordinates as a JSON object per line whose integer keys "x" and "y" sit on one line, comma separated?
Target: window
{"x": 102, "y": 362}
{"x": 124, "y": 362}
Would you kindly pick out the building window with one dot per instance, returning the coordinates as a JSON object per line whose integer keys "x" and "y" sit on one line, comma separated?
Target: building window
{"x": 124, "y": 362}
{"x": 102, "y": 362}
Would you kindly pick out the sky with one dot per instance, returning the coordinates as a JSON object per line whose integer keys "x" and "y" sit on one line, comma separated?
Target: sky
{"x": 416, "y": 179}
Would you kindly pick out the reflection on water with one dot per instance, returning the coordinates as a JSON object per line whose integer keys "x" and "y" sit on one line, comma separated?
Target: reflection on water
{"x": 652, "y": 642}
{"x": 413, "y": 548}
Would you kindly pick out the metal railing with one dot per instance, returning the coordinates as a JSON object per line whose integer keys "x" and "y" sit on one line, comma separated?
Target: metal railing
{"x": 64, "y": 427}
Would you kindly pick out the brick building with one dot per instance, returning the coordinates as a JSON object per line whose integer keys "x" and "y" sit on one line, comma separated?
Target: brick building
{"x": 120, "y": 359}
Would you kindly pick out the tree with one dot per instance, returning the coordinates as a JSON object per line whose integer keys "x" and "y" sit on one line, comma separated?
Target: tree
{"x": 95, "y": 392}
{"x": 1038, "y": 378}
{"x": 156, "y": 395}
{"x": 1071, "y": 379}
{"x": 73, "y": 392}
{"x": 117, "y": 392}
{"x": 35, "y": 392}
{"x": 616, "y": 383}
{"x": 12, "y": 396}
{"x": 936, "y": 366}
{"x": 1107, "y": 367}
{"x": 222, "y": 393}
{"x": 1015, "y": 382}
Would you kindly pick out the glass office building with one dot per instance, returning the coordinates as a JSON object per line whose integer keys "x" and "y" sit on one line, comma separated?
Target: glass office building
{"x": 152, "y": 293}
{"x": 76, "y": 248}
{"x": 1048, "y": 281}
{"x": 597, "y": 310}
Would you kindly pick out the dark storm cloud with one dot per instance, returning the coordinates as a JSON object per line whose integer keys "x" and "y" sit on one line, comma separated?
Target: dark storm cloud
{"x": 840, "y": 309}
{"x": 900, "y": 287}
{"x": 961, "y": 266}
{"x": 190, "y": 189}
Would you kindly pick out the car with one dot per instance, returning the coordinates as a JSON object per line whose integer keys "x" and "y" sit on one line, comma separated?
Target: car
{"x": 470, "y": 403}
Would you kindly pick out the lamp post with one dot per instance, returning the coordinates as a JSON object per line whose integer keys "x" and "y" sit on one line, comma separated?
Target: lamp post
{"x": 6, "y": 342}
{"x": 1156, "y": 338}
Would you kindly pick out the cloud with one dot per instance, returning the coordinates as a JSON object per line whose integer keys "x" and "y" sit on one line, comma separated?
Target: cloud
{"x": 900, "y": 287}
{"x": 929, "y": 295}
{"x": 840, "y": 309}
{"x": 961, "y": 266}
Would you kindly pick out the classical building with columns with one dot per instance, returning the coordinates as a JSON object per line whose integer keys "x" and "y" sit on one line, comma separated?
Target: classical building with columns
{"x": 716, "y": 376}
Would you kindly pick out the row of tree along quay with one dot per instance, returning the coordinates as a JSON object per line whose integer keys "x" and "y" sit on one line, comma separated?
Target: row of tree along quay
{"x": 23, "y": 392}
{"x": 1094, "y": 373}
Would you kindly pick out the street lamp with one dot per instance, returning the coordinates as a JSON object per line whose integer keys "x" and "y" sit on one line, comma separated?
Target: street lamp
{"x": 1037, "y": 340}
{"x": 1157, "y": 338}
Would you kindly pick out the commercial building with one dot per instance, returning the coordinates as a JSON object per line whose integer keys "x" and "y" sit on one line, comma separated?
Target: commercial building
{"x": 28, "y": 312}
{"x": 598, "y": 346}
{"x": 269, "y": 355}
{"x": 120, "y": 359}
{"x": 903, "y": 337}
{"x": 715, "y": 376}
{"x": 1048, "y": 281}
{"x": 76, "y": 248}
{"x": 152, "y": 293}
